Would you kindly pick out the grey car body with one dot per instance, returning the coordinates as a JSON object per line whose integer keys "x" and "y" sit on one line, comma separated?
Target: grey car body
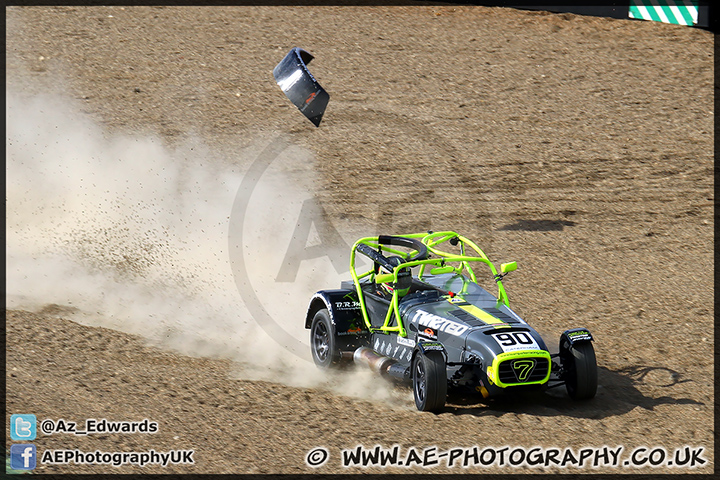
{"x": 481, "y": 345}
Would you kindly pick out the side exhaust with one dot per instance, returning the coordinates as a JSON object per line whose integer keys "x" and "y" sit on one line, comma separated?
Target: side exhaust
{"x": 385, "y": 366}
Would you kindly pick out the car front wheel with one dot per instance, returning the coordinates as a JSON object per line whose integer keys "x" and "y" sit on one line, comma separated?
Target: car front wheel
{"x": 580, "y": 370}
{"x": 429, "y": 378}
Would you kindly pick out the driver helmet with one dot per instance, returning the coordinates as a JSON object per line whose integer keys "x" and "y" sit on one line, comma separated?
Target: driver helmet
{"x": 404, "y": 278}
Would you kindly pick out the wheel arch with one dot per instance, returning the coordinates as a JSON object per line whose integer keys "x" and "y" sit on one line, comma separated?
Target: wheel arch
{"x": 429, "y": 347}
{"x": 317, "y": 303}
{"x": 575, "y": 335}
{"x": 346, "y": 319}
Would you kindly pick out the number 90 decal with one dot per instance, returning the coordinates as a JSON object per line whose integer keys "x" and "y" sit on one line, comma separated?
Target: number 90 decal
{"x": 511, "y": 341}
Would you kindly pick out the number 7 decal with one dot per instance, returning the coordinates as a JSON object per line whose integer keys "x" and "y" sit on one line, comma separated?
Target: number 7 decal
{"x": 523, "y": 368}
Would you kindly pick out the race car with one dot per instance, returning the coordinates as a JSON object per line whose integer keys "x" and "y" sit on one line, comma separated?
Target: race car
{"x": 419, "y": 315}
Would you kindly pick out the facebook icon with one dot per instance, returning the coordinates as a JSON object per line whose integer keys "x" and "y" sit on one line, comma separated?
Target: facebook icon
{"x": 23, "y": 457}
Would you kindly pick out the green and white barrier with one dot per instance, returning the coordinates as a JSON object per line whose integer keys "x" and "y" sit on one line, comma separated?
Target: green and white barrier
{"x": 667, "y": 11}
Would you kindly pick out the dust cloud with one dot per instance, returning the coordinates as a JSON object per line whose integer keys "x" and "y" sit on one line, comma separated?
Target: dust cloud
{"x": 128, "y": 233}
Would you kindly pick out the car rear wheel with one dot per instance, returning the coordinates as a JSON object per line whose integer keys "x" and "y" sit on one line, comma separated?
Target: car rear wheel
{"x": 580, "y": 370}
{"x": 429, "y": 381}
{"x": 322, "y": 341}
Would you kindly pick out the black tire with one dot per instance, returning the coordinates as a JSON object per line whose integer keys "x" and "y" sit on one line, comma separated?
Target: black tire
{"x": 322, "y": 341}
{"x": 429, "y": 378}
{"x": 580, "y": 371}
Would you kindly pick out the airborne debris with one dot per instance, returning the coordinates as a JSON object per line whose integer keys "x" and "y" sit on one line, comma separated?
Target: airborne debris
{"x": 293, "y": 77}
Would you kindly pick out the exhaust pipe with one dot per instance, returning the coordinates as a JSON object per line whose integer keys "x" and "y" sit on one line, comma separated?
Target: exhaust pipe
{"x": 385, "y": 366}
